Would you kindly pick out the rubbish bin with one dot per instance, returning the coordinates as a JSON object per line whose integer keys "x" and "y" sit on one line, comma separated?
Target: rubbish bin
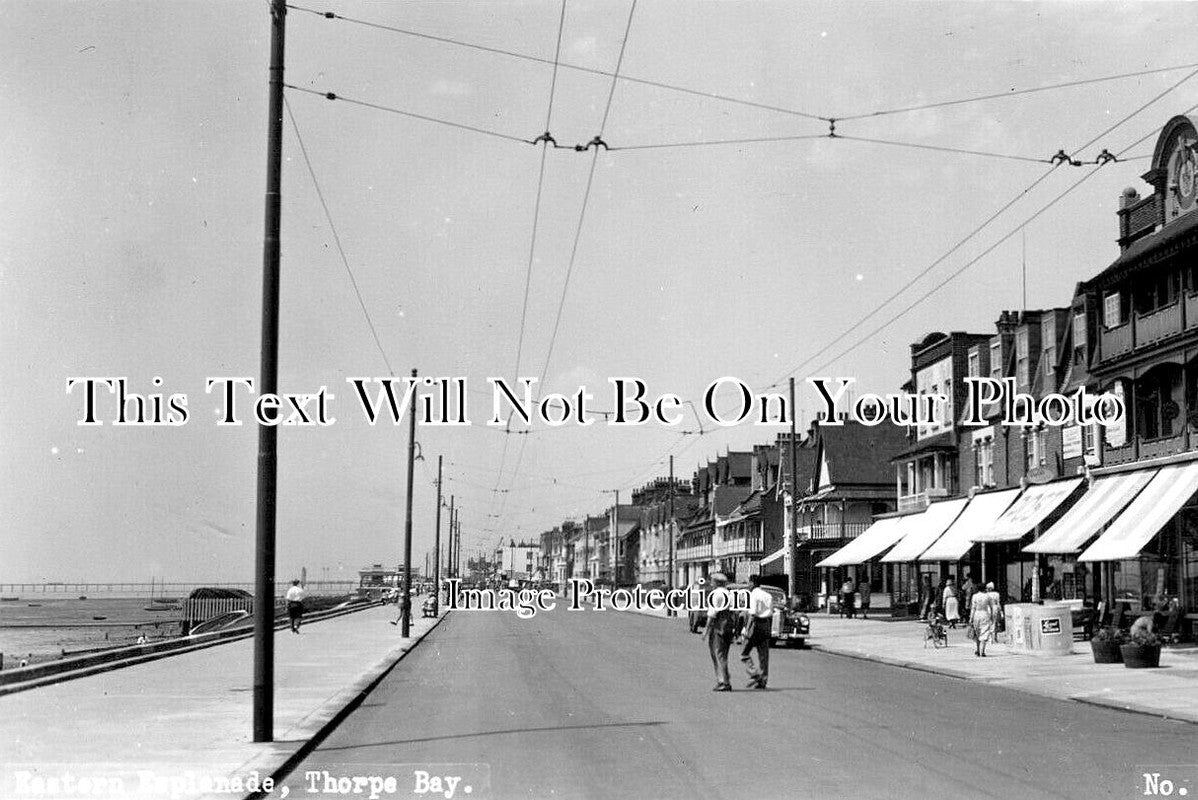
{"x": 1040, "y": 630}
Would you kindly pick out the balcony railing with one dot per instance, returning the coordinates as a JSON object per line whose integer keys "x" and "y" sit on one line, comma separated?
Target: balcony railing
{"x": 1116, "y": 341}
{"x": 833, "y": 530}
{"x": 920, "y": 501}
{"x": 1157, "y": 325}
{"x": 700, "y": 552}
{"x": 1163, "y": 445}
{"x": 1141, "y": 448}
{"x": 742, "y": 545}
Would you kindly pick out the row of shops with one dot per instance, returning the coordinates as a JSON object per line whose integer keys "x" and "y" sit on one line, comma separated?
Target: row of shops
{"x": 1080, "y": 511}
{"x": 1118, "y": 538}
{"x": 1095, "y": 514}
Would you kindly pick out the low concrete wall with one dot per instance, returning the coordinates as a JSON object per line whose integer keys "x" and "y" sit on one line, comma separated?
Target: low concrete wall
{"x": 21, "y": 678}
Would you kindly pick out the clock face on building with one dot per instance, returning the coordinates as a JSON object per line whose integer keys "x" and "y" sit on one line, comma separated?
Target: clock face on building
{"x": 1183, "y": 175}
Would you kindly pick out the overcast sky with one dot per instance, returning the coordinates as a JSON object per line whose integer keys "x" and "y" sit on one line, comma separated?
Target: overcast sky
{"x": 134, "y": 151}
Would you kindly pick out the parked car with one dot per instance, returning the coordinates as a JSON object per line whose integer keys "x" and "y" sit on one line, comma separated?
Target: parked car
{"x": 789, "y": 624}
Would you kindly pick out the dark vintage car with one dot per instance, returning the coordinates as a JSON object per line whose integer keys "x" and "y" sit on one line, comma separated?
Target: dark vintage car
{"x": 788, "y": 625}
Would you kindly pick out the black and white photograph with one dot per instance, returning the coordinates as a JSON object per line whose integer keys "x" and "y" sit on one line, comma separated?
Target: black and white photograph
{"x": 555, "y": 399}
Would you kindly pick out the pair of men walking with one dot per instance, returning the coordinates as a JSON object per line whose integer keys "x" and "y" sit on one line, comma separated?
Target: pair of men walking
{"x": 722, "y": 625}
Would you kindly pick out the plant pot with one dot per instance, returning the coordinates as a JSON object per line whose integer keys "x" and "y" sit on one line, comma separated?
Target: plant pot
{"x": 1141, "y": 656}
{"x": 1106, "y": 652}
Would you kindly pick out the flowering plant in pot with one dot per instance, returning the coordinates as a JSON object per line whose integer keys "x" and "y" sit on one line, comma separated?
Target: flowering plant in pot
{"x": 1106, "y": 644}
{"x": 1144, "y": 650}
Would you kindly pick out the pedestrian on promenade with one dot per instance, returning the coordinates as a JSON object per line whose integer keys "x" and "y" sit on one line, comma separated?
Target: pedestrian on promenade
{"x": 295, "y": 605}
{"x": 758, "y": 622}
{"x": 721, "y": 629}
{"x": 983, "y": 613}
{"x": 847, "y": 592}
{"x": 952, "y": 610}
{"x": 925, "y": 592}
{"x": 863, "y": 591}
{"x": 1000, "y": 622}
{"x": 967, "y": 591}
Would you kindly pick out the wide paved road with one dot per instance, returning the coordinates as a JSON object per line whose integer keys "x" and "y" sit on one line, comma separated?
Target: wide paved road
{"x": 583, "y": 704}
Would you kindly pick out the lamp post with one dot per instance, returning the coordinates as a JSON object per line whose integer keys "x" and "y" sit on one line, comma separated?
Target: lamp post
{"x": 267, "y": 477}
{"x": 406, "y": 600}
{"x": 437, "y": 547}
{"x": 792, "y": 578}
{"x": 670, "y": 578}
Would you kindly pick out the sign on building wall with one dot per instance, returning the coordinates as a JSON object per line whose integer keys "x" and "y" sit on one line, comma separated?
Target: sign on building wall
{"x": 937, "y": 379}
{"x": 1072, "y": 441}
{"x": 1116, "y": 435}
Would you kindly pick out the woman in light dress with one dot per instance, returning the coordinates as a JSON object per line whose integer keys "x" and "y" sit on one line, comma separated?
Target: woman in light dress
{"x": 952, "y": 611}
{"x": 982, "y": 615}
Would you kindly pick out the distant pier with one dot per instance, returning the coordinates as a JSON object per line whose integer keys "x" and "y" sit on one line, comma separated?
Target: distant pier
{"x": 157, "y": 589}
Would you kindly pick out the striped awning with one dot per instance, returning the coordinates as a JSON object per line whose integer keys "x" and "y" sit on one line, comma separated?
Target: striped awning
{"x": 1104, "y": 499}
{"x": 876, "y": 538}
{"x": 923, "y": 529}
{"x": 979, "y": 515}
{"x": 1156, "y": 504}
{"x": 1036, "y": 503}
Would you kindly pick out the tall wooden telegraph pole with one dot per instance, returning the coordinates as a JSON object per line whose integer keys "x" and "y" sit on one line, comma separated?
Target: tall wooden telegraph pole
{"x": 264, "y": 536}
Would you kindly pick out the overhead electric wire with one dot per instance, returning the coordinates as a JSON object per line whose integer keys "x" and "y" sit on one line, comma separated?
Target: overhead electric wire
{"x": 410, "y": 114}
{"x": 740, "y": 101}
{"x": 578, "y": 230}
{"x": 1014, "y": 92}
{"x": 941, "y": 149}
{"x": 564, "y": 65}
{"x": 337, "y": 240}
{"x": 755, "y": 140}
{"x": 969, "y": 236}
{"x": 988, "y": 250}
{"x": 536, "y": 216}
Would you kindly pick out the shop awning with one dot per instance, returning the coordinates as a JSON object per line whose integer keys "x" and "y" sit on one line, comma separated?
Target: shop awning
{"x": 772, "y": 557}
{"x": 979, "y": 515}
{"x": 1153, "y": 507}
{"x": 923, "y": 529}
{"x": 873, "y": 540}
{"x": 1100, "y": 504}
{"x": 1036, "y": 503}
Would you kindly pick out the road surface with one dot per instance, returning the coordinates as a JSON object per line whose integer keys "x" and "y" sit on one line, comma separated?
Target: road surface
{"x": 598, "y": 705}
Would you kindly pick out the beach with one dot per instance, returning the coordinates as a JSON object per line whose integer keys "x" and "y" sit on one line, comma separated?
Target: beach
{"x": 39, "y": 628}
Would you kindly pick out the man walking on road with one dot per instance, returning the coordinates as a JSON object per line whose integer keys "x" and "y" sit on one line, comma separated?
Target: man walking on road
{"x": 721, "y": 628}
{"x": 757, "y": 634}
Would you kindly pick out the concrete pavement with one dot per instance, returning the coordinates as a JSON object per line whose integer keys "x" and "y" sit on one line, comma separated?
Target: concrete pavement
{"x": 1170, "y": 691}
{"x": 189, "y": 717}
